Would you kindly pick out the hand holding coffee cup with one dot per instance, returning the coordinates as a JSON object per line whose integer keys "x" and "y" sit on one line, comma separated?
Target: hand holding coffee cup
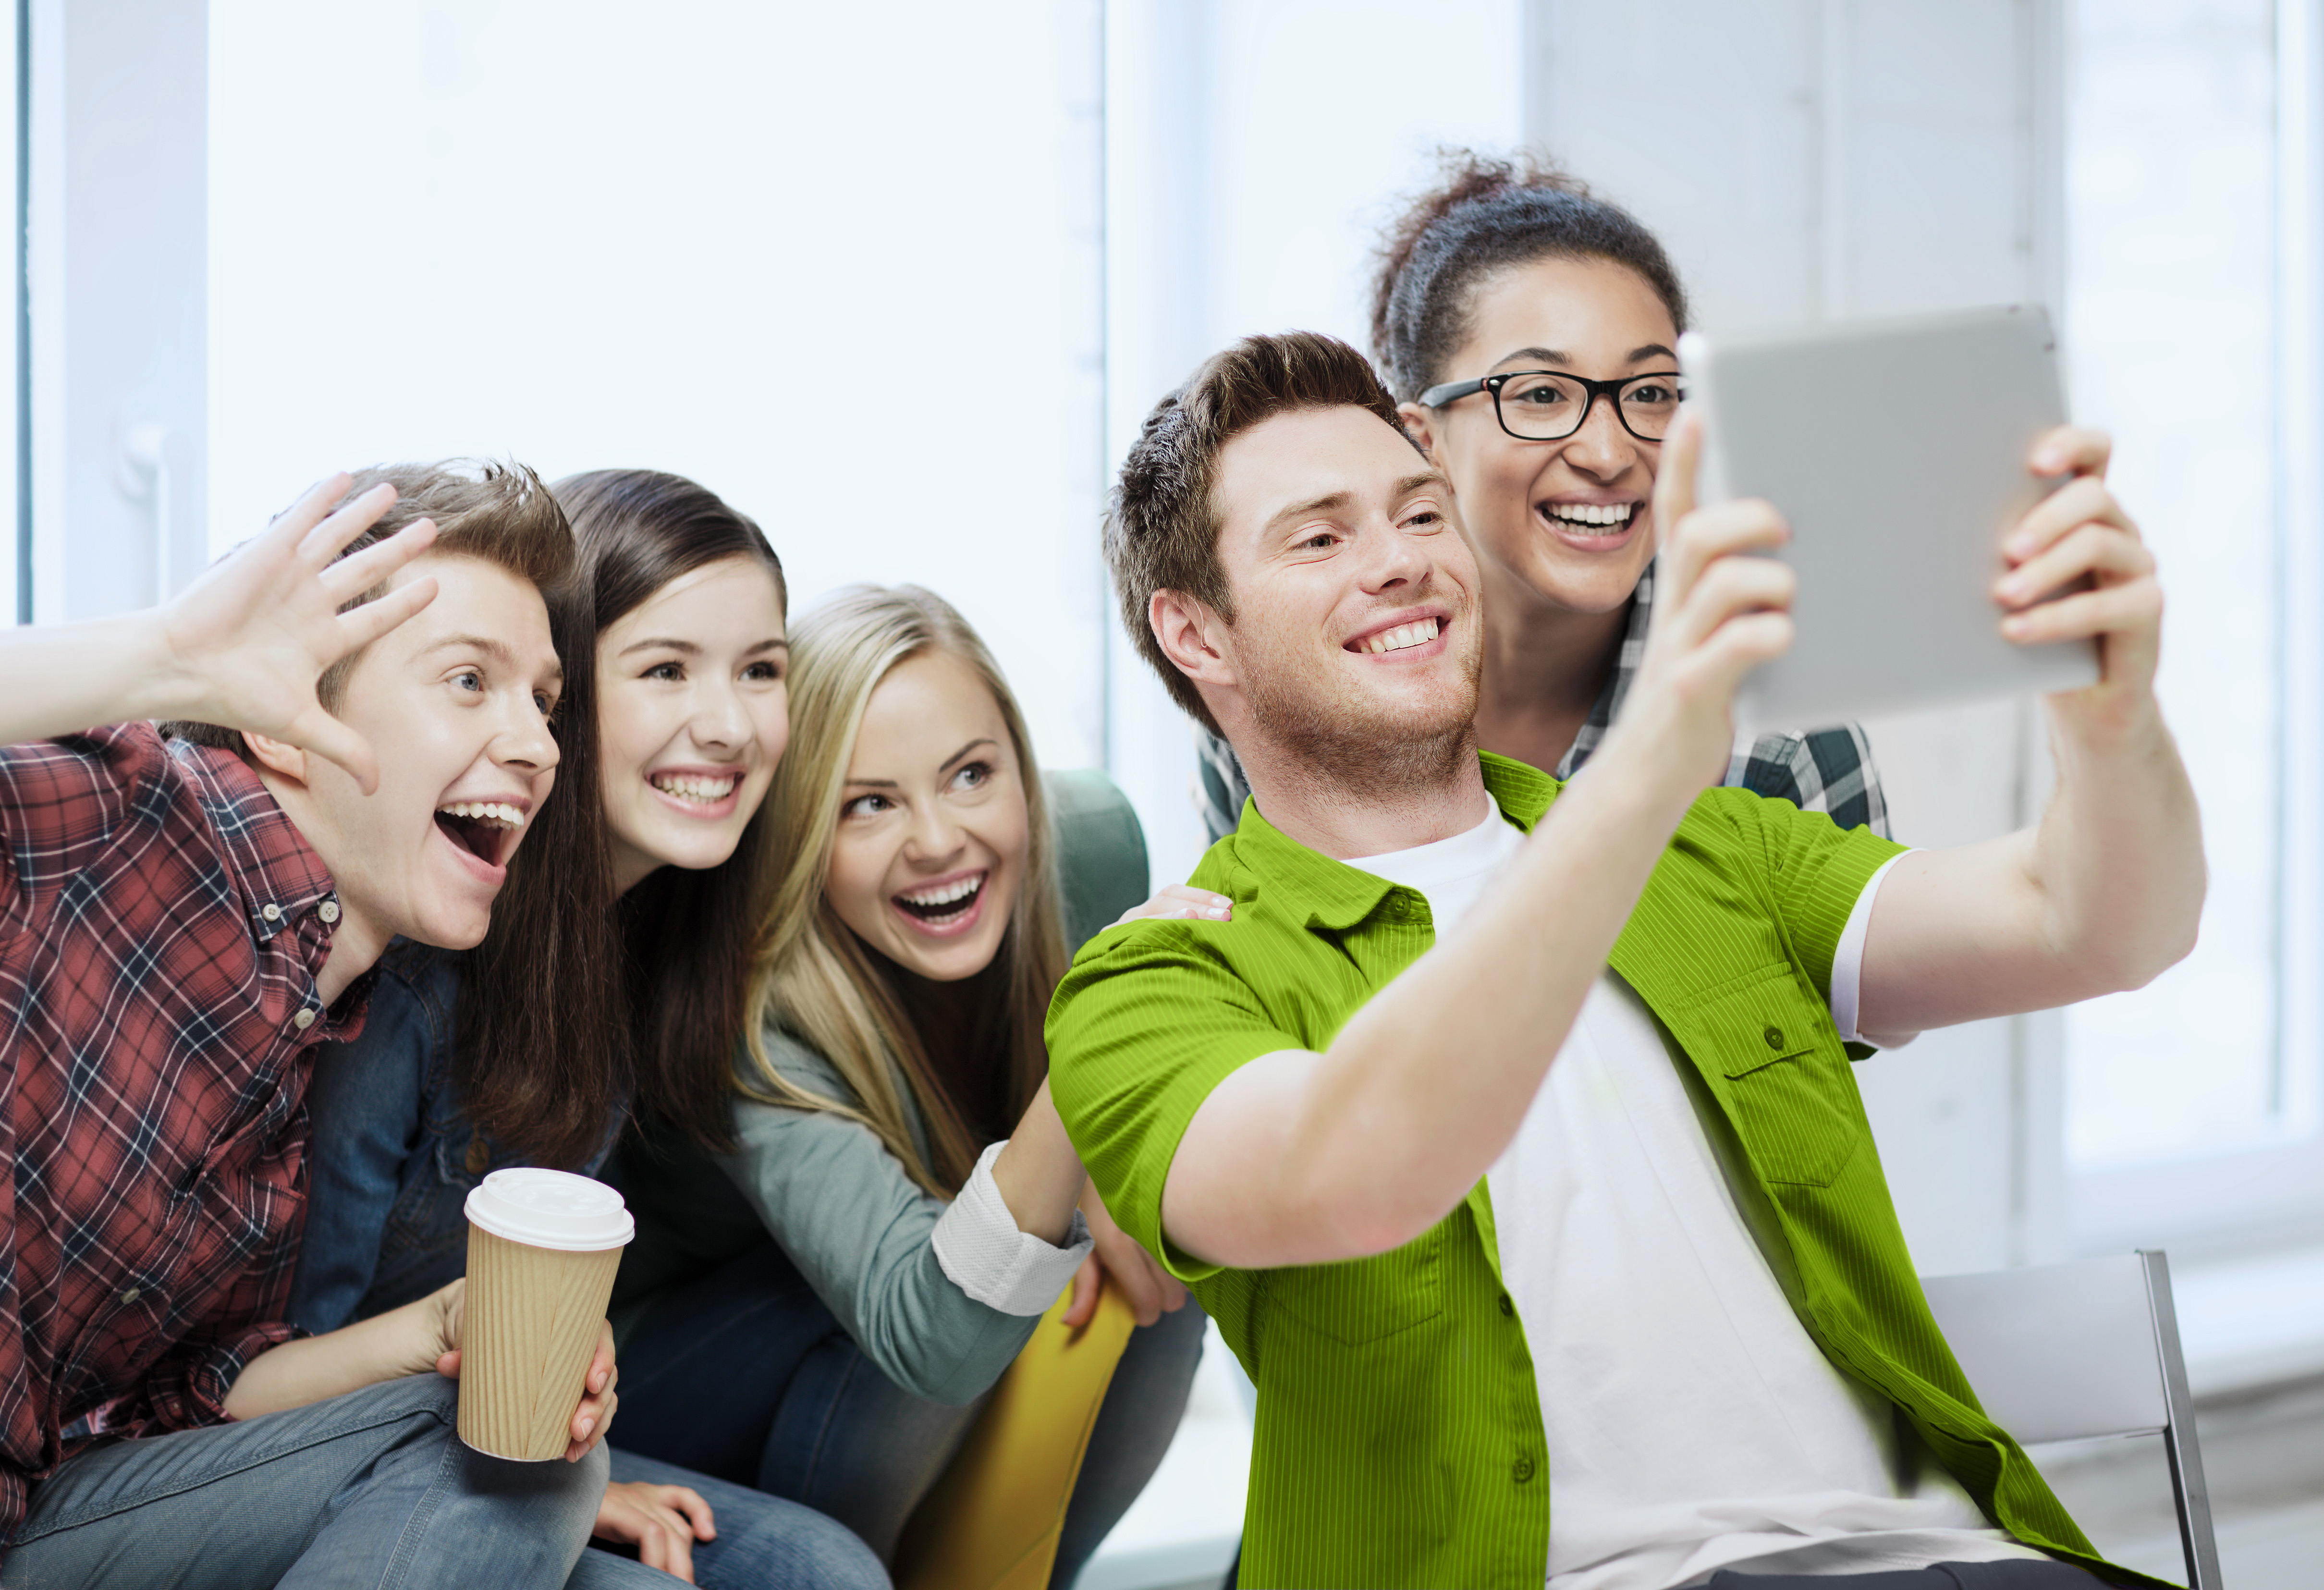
{"x": 543, "y": 1247}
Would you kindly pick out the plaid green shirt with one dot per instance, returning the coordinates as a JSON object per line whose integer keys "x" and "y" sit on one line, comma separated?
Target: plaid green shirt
{"x": 1829, "y": 771}
{"x": 1399, "y": 1439}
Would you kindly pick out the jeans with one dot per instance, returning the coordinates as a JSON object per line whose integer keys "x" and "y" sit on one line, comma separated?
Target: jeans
{"x": 2023, "y": 1573}
{"x": 372, "y": 1490}
{"x": 745, "y": 1376}
{"x": 764, "y": 1543}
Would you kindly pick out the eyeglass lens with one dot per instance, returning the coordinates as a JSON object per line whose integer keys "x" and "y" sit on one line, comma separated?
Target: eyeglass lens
{"x": 1544, "y": 407}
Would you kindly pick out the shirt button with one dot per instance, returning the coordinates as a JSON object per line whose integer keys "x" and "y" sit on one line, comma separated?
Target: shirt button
{"x": 271, "y": 911}
{"x": 1508, "y": 1306}
{"x": 132, "y": 1295}
{"x": 1521, "y": 1470}
{"x": 1774, "y": 1037}
{"x": 328, "y": 910}
{"x": 303, "y": 1019}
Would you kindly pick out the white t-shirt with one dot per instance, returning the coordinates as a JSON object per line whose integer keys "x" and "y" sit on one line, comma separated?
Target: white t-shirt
{"x": 1692, "y": 1424}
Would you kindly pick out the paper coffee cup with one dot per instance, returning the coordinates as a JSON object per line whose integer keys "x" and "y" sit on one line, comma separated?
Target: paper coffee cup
{"x": 542, "y": 1249}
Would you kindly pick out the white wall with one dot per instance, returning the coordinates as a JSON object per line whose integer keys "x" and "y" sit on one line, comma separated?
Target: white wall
{"x": 841, "y": 264}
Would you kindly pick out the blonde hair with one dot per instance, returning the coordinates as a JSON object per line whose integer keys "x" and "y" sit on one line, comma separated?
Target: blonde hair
{"x": 812, "y": 976}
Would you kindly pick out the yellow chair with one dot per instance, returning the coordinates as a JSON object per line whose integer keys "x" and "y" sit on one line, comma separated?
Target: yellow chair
{"x": 992, "y": 1522}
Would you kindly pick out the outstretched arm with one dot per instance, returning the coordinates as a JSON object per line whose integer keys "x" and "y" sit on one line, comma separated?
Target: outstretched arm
{"x": 1301, "y": 1158}
{"x": 242, "y": 647}
{"x": 2106, "y": 892}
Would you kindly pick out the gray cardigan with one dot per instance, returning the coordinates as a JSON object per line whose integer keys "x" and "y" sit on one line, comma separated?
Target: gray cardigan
{"x": 839, "y": 1203}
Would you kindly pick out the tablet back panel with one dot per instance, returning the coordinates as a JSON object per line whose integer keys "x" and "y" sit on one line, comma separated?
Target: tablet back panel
{"x": 1897, "y": 452}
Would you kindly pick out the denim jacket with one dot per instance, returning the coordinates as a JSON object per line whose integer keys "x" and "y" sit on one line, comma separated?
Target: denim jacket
{"x": 392, "y": 1153}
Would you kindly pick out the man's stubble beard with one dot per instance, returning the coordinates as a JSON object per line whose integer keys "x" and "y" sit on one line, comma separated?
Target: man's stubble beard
{"x": 1352, "y": 744}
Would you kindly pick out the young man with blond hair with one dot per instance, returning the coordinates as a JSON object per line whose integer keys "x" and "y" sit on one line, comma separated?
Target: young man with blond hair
{"x": 1643, "y": 1317}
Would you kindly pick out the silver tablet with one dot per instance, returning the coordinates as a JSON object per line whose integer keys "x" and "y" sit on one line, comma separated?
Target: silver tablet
{"x": 1896, "y": 449}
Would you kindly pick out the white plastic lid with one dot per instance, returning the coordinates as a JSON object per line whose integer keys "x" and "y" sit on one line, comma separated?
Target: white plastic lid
{"x": 551, "y": 1209}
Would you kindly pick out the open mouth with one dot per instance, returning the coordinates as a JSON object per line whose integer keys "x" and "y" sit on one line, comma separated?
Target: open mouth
{"x": 486, "y": 830}
{"x": 1403, "y": 637}
{"x": 695, "y": 789}
{"x": 943, "y": 905}
{"x": 1589, "y": 520}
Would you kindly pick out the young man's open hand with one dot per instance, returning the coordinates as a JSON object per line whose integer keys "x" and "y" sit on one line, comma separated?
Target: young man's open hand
{"x": 242, "y": 647}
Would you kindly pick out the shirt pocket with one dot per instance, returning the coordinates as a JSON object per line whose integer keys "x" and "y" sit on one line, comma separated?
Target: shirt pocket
{"x": 1787, "y": 1081}
{"x": 1360, "y": 1301}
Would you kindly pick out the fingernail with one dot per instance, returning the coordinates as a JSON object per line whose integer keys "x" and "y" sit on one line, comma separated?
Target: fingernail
{"x": 1217, "y": 913}
{"x": 587, "y": 1425}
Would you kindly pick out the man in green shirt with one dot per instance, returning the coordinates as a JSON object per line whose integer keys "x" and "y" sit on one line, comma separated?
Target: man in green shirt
{"x": 1660, "y": 1281}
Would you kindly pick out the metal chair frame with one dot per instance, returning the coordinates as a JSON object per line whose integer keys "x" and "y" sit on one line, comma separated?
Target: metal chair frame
{"x": 1992, "y": 1324}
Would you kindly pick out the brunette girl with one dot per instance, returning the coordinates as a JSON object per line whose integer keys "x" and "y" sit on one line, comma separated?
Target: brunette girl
{"x": 615, "y": 977}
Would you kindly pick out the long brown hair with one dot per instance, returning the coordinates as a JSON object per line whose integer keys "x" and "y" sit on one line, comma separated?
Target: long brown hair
{"x": 814, "y": 976}
{"x": 574, "y": 999}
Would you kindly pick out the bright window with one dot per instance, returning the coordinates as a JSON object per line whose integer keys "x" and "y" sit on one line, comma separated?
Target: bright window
{"x": 2173, "y": 220}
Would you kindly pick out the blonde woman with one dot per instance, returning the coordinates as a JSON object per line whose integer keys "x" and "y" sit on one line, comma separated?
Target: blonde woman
{"x": 828, "y": 1305}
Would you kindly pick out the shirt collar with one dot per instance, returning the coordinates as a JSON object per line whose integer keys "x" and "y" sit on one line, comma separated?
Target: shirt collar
{"x": 277, "y": 873}
{"x": 1337, "y": 895}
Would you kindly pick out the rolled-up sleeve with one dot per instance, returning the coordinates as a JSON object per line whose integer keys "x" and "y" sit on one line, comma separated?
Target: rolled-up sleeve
{"x": 994, "y": 1261}
{"x": 187, "y": 1388}
{"x": 1146, "y": 1023}
{"x": 861, "y": 1232}
{"x": 1815, "y": 871}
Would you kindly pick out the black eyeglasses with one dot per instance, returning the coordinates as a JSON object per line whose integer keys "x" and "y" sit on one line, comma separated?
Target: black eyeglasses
{"x": 1544, "y": 405}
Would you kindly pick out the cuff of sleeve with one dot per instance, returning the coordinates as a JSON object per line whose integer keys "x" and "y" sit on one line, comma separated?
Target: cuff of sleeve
{"x": 983, "y": 1254}
{"x": 200, "y": 1399}
{"x": 1847, "y": 967}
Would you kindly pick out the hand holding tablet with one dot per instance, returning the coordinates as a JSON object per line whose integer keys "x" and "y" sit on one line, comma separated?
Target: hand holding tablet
{"x": 1918, "y": 464}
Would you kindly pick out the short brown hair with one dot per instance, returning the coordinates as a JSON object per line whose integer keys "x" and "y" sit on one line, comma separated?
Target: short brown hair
{"x": 1161, "y": 523}
{"x": 500, "y": 513}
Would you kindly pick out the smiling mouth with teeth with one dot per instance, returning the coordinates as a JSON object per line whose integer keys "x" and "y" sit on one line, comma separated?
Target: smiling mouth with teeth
{"x": 695, "y": 790}
{"x": 941, "y": 905}
{"x": 479, "y": 826}
{"x": 1418, "y": 633}
{"x": 1601, "y": 517}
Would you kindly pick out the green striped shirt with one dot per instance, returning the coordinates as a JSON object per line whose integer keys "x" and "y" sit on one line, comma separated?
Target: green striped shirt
{"x": 1399, "y": 1437}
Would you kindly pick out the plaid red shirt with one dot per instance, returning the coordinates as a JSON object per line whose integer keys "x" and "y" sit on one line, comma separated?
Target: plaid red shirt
{"x": 161, "y": 926}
